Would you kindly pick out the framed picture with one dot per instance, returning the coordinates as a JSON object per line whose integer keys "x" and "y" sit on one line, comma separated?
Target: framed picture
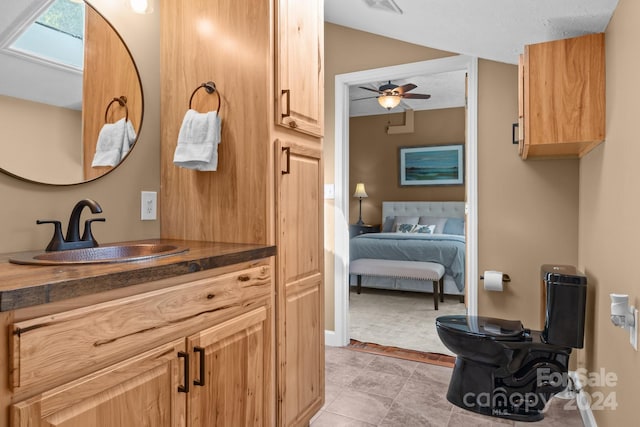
{"x": 432, "y": 165}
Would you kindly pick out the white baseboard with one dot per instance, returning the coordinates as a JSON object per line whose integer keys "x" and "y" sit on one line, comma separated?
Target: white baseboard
{"x": 583, "y": 403}
{"x": 331, "y": 339}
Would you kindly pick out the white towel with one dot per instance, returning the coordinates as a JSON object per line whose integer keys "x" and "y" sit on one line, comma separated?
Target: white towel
{"x": 114, "y": 142}
{"x": 198, "y": 141}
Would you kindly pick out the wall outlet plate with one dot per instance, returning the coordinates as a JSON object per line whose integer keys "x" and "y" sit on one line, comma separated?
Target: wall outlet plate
{"x": 148, "y": 205}
{"x": 633, "y": 331}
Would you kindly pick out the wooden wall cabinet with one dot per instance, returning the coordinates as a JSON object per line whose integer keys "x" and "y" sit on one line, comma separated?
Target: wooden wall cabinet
{"x": 299, "y": 65}
{"x": 562, "y": 97}
{"x": 214, "y": 367}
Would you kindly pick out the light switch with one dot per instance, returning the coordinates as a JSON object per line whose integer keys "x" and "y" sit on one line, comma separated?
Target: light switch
{"x": 329, "y": 191}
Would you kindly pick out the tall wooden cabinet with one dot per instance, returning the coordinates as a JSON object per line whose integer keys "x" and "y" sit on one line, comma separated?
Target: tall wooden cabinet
{"x": 300, "y": 296}
{"x": 562, "y": 97}
{"x": 266, "y": 59}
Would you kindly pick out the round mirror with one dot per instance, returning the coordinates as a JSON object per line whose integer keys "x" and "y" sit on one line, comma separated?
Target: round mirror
{"x": 71, "y": 101}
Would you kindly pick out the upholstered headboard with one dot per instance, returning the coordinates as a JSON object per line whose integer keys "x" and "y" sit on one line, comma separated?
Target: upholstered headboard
{"x": 435, "y": 209}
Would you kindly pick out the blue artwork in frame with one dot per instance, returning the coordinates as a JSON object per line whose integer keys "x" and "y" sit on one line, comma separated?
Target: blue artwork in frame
{"x": 432, "y": 165}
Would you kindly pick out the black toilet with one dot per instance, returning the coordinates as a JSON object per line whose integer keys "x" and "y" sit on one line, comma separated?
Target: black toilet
{"x": 507, "y": 371}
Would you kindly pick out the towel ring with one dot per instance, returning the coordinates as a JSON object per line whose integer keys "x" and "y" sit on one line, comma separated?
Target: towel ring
{"x": 210, "y": 87}
{"x": 122, "y": 101}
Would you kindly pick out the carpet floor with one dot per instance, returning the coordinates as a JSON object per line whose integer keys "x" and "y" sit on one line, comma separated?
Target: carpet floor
{"x": 399, "y": 319}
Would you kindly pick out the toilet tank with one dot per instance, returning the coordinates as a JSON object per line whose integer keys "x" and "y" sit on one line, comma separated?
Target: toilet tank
{"x": 566, "y": 298}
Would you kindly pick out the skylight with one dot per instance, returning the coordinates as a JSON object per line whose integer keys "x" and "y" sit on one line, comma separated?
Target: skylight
{"x": 56, "y": 35}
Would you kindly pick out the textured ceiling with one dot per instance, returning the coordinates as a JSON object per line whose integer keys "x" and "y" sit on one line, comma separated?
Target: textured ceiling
{"x": 490, "y": 29}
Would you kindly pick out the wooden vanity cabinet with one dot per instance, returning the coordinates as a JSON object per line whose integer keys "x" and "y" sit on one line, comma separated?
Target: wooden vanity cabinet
{"x": 195, "y": 354}
{"x": 299, "y": 65}
{"x": 562, "y": 97}
{"x": 139, "y": 391}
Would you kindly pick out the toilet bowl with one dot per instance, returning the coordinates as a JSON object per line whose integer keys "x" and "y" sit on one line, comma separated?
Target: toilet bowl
{"x": 505, "y": 370}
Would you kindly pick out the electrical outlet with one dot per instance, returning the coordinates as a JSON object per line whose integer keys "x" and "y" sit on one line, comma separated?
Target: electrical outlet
{"x": 148, "y": 205}
{"x": 633, "y": 331}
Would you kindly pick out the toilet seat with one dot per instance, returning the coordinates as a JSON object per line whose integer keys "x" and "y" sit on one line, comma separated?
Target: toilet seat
{"x": 484, "y": 327}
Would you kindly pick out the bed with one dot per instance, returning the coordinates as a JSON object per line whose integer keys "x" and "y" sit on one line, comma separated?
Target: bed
{"x": 416, "y": 231}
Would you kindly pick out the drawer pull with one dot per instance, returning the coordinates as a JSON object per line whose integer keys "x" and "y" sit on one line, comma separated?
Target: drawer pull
{"x": 184, "y": 388}
{"x": 200, "y": 381}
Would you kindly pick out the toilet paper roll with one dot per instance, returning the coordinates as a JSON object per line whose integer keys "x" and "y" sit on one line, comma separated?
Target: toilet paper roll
{"x": 493, "y": 281}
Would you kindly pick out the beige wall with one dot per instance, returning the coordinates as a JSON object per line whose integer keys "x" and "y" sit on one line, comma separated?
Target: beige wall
{"x": 118, "y": 192}
{"x": 40, "y": 142}
{"x": 609, "y": 205}
{"x": 527, "y": 210}
{"x": 373, "y": 158}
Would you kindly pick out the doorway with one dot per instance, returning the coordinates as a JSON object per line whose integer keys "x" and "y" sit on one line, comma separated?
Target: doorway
{"x": 341, "y": 262}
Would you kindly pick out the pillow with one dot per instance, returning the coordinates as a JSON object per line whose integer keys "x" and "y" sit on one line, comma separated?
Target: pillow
{"x": 424, "y": 229}
{"x": 454, "y": 226}
{"x": 404, "y": 220}
{"x": 389, "y": 221}
{"x": 405, "y": 228}
{"x": 437, "y": 221}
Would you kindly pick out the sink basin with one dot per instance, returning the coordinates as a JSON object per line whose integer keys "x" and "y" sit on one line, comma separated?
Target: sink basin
{"x": 101, "y": 254}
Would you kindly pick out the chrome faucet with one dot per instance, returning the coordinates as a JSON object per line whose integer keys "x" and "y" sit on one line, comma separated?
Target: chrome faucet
{"x": 73, "y": 239}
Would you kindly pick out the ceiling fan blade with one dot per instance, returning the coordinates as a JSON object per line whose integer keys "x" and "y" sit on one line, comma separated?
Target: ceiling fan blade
{"x": 368, "y": 88}
{"x": 416, "y": 96}
{"x": 368, "y": 97}
{"x": 405, "y": 88}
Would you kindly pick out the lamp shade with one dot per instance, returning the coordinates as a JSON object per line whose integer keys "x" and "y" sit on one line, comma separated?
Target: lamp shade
{"x": 389, "y": 101}
{"x": 360, "y": 191}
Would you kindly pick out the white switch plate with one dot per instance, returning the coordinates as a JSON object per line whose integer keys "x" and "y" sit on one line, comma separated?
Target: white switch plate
{"x": 329, "y": 191}
{"x": 148, "y": 205}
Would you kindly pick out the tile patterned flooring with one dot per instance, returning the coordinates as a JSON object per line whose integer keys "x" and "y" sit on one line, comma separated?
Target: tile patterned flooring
{"x": 365, "y": 390}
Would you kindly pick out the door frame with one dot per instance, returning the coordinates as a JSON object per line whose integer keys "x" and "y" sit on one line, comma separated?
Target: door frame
{"x": 340, "y": 337}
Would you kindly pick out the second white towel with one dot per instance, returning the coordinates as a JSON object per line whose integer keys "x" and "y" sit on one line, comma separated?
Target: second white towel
{"x": 198, "y": 141}
{"x": 114, "y": 142}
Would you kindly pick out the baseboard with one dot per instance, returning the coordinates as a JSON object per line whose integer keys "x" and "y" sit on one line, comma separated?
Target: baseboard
{"x": 582, "y": 400}
{"x": 331, "y": 339}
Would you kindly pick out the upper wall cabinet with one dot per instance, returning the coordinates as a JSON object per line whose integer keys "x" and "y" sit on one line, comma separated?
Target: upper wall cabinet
{"x": 299, "y": 65}
{"x": 562, "y": 97}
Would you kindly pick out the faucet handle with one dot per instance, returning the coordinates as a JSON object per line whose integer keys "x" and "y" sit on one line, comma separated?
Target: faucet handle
{"x": 87, "y": 235}
{"x": 57, "y": 241}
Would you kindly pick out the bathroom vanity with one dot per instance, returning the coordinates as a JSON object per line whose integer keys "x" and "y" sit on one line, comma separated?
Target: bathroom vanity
{"x": 180, "y": 340}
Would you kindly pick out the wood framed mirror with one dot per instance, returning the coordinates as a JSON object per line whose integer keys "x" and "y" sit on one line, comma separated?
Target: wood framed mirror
{"x": 56, "y": 104}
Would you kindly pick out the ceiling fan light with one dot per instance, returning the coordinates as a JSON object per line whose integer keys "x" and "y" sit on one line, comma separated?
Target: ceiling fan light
{"x": 389, "y": 101}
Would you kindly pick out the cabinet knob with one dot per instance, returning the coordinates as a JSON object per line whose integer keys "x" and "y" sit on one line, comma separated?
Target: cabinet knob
{"x": 293, "y": 124}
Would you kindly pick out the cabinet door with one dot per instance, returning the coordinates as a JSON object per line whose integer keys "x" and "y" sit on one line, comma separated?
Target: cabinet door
{"x": 140, "y": 391}
{"x": 231, "y": 372}
{"x": 300, "y": 290}
{"x": 299, "y": 65}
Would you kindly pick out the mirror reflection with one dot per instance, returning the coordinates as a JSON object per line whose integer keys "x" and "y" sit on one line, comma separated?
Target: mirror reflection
{"x": 70, "y": 94}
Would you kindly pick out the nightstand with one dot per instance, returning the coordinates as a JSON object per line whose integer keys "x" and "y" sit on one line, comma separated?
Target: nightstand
{"x": 357, "y": 229}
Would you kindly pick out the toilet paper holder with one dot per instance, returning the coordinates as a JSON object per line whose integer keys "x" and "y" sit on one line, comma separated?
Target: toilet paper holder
{"x": 505, "y": 278}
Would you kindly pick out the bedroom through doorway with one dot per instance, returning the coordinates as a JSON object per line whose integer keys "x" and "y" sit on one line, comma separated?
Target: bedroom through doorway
{"x": 395, "y": 311}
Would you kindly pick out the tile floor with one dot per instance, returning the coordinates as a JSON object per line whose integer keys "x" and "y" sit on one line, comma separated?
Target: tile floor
{"x": 364, "y": 390}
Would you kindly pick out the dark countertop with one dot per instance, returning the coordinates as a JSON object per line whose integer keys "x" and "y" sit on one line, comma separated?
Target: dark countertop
{"x": 28, "y": 285}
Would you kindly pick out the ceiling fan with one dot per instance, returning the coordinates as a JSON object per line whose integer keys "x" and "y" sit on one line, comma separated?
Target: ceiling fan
{"x": 391, "y": 94}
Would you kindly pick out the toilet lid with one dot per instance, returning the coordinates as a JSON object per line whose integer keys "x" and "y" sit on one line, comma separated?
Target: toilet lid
{"x": 489, "y": 327}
